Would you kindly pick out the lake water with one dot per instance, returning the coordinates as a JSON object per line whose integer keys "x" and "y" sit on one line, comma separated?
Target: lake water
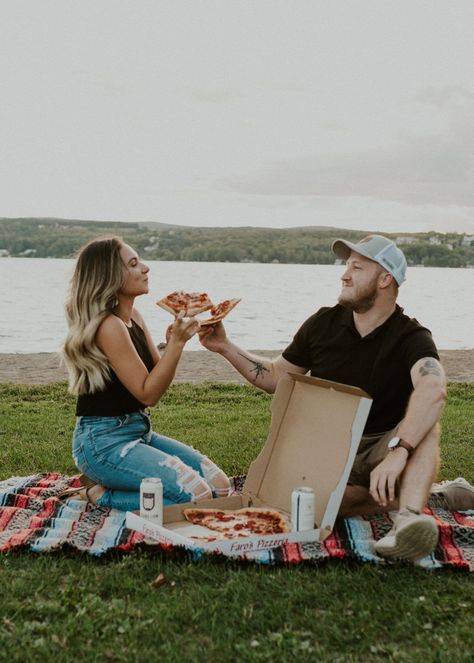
{"x": 276, "y": 299}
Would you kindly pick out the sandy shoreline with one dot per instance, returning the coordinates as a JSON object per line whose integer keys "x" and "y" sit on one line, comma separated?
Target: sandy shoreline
{"x": 198, "y": 366}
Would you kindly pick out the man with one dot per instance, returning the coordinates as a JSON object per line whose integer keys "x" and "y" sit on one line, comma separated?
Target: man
{"x": 366, "y": 340}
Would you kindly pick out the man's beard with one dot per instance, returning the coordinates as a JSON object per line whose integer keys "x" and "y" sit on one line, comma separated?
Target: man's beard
{"x": 364, "y": 301}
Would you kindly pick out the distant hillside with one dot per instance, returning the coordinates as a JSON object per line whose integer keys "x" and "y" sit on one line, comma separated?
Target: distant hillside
{"x": 61, "y": 238}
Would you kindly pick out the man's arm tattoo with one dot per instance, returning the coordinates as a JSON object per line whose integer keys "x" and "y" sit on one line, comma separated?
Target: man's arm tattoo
{"x": 258, "y": 367}
{"x": 430, "y": 367}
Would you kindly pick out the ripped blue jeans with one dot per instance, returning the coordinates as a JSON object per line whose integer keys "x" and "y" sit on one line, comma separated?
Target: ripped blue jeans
{"x": 118, "y": 452}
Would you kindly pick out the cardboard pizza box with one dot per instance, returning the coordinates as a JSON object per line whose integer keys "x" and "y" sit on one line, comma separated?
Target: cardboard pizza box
{"x": 315, "y": 431}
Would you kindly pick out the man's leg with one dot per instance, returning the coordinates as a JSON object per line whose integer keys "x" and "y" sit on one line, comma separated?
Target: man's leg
{"x": 415, "y": 482}
{"x": 357, "y": 501}
{"x": 414, "y": 535}
{"x": 420, "y": 472}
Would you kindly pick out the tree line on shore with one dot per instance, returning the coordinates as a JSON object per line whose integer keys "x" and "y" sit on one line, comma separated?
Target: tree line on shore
{"x": 61, "y": 238}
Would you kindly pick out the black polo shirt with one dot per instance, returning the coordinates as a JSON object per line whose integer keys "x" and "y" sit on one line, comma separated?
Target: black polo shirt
{"x": 329, "y": 345}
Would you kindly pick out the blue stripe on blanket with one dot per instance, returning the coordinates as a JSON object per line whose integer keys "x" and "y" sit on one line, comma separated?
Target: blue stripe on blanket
{"x": 361, "y": 537}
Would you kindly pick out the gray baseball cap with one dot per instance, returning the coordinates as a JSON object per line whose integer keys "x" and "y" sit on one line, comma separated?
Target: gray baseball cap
{"x": 377, "y": 248}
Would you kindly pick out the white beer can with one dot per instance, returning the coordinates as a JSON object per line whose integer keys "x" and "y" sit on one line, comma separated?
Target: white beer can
{"x": 302, "y": 509}
{"x": 151, "y": 499}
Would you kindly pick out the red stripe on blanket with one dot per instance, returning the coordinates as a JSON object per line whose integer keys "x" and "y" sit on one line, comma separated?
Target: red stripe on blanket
{"x": 19, "y": 539}
{"x": 22, "y": 501}
{"x": 448, "y": 548}
{"x": 468, "y": 521}
{"x": 50, "y": 507}
{"x": 49, "y": 479}
{"x": 292, "y": 553}
{"x": 334, "y": 546}
{"x": 6, "y": 515}
{"x": 131, "y": 541}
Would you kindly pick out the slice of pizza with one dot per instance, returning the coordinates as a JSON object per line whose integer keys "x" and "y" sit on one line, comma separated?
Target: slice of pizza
{"x": 220, "y": 311}
{"x": 236, "y": 523}
{"x": 189, "y": 303}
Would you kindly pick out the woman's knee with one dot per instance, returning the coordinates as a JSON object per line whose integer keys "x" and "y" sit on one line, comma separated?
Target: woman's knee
{"x": 216, "y": 478}
{"x": 198, "y": 489}
{"x": 187, "y": 480}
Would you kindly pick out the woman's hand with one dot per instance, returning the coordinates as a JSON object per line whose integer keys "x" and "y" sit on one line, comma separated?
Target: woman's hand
{"x": 182, "y": 330}
{"x": 169, "y": 331}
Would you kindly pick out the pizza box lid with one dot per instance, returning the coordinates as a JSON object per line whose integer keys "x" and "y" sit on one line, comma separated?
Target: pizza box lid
{"x": 315, "y": 431}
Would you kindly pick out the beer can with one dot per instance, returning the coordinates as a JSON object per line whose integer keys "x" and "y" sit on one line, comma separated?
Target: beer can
{"x": 151, "y": 499}
{"x": 302, "y": 509}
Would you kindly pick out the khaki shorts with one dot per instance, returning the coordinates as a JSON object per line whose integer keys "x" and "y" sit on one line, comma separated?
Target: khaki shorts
{"x": 372, "y": 450}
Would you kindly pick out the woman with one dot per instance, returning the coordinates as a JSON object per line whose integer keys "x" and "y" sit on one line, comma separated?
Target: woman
{"x": 116, "y": 372}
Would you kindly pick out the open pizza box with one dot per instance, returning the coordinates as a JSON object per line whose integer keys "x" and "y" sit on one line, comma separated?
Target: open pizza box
{"x": 314, "y": 435}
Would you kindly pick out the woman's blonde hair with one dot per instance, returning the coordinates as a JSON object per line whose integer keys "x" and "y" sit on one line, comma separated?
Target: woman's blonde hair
{"x": 97, "y": 278}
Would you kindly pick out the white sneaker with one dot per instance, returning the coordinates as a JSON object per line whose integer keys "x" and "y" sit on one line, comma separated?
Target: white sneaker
{"x": 458, "y": 494}
{"x": 412, "y": 537}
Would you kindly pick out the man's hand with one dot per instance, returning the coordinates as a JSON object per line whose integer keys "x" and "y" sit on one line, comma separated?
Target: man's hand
{"x": 384, "y": 476}
{"x": 213, "y": 337}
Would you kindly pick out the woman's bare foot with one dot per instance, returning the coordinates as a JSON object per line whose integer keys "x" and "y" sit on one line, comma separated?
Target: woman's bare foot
{"x": 93, "y": 493}
{"x": 88, "y": 494}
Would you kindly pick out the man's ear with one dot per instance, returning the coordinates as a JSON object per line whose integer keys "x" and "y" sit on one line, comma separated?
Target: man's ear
{"x": 386, "y": 280}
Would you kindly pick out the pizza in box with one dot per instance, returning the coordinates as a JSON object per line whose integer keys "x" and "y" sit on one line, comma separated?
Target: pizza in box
{"x": 236, "y": 523}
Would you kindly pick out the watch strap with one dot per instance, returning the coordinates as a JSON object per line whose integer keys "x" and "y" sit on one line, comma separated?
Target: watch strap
{"x": 397, "y": 442}
{"x": 406, "y": 446}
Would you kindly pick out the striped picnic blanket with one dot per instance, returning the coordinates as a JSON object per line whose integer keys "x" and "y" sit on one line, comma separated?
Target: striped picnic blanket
{"x": 33, "y": 518}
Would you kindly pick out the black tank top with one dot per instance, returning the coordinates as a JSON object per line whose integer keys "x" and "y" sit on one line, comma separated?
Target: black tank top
{"x": 115, "y": 399}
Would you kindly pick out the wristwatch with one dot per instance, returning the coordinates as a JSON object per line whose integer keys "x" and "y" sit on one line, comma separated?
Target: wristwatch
{"x": 396, "y": 442}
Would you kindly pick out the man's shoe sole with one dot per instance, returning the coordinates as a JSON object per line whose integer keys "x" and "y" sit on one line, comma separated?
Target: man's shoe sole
{"x": 412, "y": 540}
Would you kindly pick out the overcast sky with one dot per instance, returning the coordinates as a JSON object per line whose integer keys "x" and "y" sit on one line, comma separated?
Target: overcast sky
{"x": 355, "y": 113}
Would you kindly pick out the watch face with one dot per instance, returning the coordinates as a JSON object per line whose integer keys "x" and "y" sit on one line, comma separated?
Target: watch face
{"x": 394, "y": 442}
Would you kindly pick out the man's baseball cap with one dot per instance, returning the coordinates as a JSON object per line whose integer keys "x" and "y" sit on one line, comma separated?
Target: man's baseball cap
{"x": 377, "y": 248}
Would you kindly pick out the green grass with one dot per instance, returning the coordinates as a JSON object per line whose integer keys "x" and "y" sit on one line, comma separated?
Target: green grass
{"x": 76, "y": 608}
